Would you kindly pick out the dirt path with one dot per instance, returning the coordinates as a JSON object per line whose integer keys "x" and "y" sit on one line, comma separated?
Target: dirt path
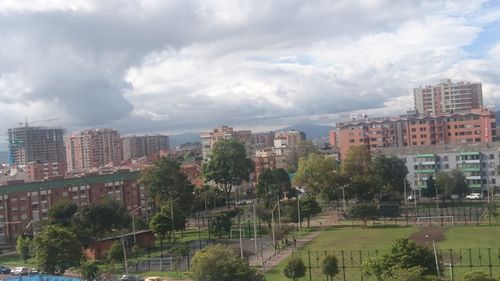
{"x": 426, "y": 235}
{"x": 271, "y": 259}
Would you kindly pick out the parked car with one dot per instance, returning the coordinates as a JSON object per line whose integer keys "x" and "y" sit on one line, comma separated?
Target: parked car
{"x": 4, "y": 270}
{"x": 20, "y": 270}
{"x": 153, "y": 278}
{"x": 130, "y": 278}
{"x": 474, "y": 196}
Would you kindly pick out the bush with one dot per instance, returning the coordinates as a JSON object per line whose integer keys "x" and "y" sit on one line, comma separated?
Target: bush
{"x": 477, "y": 276}
{"x": 294, "y": 268}
{"x": 330, "y": 266}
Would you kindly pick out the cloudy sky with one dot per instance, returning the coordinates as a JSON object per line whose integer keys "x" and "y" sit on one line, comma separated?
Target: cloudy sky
{"x": 189, "y": 65}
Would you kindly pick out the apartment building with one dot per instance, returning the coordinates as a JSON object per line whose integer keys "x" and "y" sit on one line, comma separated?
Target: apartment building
{"x": 25, "y": 203}
{"x": 268, "y": 158}
{"x": 36, "y": 144}
{"x": 208, "y": 140}
{"x": 135, "y": 147}
{"x": 478, "y": 161}
{"x": 88, "y": 149}
{"x": 474, "y": 126}
{"x": 448, "y": 97}
{"x": 40, "y": 171}
{"x": 288, "y": 138}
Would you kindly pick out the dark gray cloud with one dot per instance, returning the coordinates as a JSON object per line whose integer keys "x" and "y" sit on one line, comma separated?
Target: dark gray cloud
{"x": 183, "y": 65}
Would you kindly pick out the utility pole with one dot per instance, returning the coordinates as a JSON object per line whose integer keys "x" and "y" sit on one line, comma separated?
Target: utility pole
{"x": 172, "y": 214}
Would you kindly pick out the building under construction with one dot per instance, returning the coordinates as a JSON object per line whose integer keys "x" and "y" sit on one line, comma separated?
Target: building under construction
{"x": 36, "y": 144}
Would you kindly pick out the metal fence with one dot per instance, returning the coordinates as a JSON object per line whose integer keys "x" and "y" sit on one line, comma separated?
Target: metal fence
{"x": 453, "y": 263}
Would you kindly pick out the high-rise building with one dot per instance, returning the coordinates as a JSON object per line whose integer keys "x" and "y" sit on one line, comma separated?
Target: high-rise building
{"x": 448, "y": 97}
{"x": 475, "y": 126}
{"x": 289, "y": 138}
{"x": 135, "y": 147}
{"x": 94, "y": 148}
{"x": 208, "y": 140}
{"x": 36, "y": 144}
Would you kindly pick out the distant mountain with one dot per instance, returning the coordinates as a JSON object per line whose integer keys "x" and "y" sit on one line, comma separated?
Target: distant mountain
{"x": 176, "y": 140}
{"x": 4, "y": 156}
{"x": 312, "y": 131}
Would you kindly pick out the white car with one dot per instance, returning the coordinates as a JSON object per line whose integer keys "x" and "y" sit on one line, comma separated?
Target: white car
{"x": 20, "y": 270}
{"x": 474, "y": 196}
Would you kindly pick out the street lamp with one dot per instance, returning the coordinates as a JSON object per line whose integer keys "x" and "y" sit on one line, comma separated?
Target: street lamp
{"x": 298, "y": 214}
{"x": 343, "y": 196}
{"x": 172, "y": 214}
{"x": 133, "y": 221}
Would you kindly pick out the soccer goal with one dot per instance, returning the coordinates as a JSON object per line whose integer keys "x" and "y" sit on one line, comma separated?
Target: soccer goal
{"x": 437, "y": 220}
{"x": 237, "y": 231}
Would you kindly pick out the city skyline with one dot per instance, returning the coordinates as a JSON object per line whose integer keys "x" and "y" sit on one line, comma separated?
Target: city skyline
{"x": 245, "y": 64}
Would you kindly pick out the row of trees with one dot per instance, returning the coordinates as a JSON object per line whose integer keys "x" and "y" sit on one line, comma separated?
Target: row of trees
{"x": 68, "y": 231}
{"x": 446, "y": 184}
{"x": 363, "y": 177}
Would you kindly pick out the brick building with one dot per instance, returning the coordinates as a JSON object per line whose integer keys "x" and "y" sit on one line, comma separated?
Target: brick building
{"x": 40, "y": 171}
{"x": 135, "y": 147}
{"x": 94, "y": 148}
{"x": 474, "y": 126}
{"x": 22, "y": 203}
{"x": 208, "y": 140}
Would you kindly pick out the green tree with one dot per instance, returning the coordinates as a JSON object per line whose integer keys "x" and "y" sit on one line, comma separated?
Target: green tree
{"x": 316, "y": 173}
{"x": 89, "y": 270}
{"x": 364, "y": 212}
{"x": 221, "y": 223}
{"x": 309, "y": 207}
{"x": 405, "y": 255}
{"x": 477, "y": 276}
{"x": 23, "y": 247}
{"x": 62, "y": 212}
{"x": 390, "y": 174}
{"x": 430, "y": 188}
{"x": 166, "y": 182}
{"x": 161, "y": 225}
{"x": 357, "y": 170}
{"x": 115, "y": 252}
{"x": 56, "y": 249}
{"x": 460, "y": 185}
{"x": 274, "y": 184}
{"x": 294, "y": 268}
{"x": 301, "y": 150}
{"x": 330, "y": 266}
{"x": 228, "y": 166}
{"x": 218, "y": 263}
{"x": 102, "y": 218}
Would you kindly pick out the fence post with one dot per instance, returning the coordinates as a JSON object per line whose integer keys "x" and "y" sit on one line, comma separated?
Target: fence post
{"x": 343, "y": 264}
{"x": 361, "y": 262}
{"x": 489, "y": 262}
{"x": 470, "y": 258}
{"x": 309, "y": 258}
{"x": 451, "y": 265}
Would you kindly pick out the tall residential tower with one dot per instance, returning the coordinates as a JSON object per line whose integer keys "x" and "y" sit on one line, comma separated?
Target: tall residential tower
{"x": 36, "y": 144}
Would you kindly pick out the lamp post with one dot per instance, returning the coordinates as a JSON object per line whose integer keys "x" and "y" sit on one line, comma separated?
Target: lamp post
{"x": 172, "y": 214}
{"x": 343, "y": 197}
{"x": 133, "y": 222}
{"x": 298, "y": 215}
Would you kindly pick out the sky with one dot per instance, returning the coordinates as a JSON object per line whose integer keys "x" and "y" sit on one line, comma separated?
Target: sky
{"x": 186, "y": 66}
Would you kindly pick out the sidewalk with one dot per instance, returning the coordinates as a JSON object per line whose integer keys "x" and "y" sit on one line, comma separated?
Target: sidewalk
{"x": 271, "y": 259}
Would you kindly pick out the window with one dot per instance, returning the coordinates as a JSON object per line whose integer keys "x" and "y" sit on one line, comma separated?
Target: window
{"x": 492, "y": 156}
{"x": 445, "y": 158}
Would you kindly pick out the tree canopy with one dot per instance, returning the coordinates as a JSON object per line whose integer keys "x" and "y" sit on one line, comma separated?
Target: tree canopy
{"x": 62, "y": 212}
{"x": 166, "y": 182}
{"x": 102, "y": 218}
{"x": 452, "y": 183}
{"x": 56, "y": 250}
{"x": 274, "y": 184}
{"x": 294, "y": 268}
{"x": 228, "y": 166}
{"x": 316, "y": 173}
{"x": 218, "y": 263}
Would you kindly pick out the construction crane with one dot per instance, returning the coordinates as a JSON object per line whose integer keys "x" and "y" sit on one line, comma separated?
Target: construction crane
{"x": 37, "y": 121}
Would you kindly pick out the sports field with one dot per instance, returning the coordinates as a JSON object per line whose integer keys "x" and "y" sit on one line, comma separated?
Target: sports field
{"x": 361, "y": 242}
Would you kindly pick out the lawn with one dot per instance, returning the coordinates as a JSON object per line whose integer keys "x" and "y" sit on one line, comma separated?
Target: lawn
{"x": 347, "y": 241}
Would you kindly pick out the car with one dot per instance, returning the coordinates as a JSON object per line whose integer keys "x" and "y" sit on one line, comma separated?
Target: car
{"x": 153, "y": 278}
{"x": 20, "y": 270}
{"x": 127, "y": 277}
{"x": 474, "y": 196}
{"x": 4, "y": 270}
{"x": 33, "y": 271}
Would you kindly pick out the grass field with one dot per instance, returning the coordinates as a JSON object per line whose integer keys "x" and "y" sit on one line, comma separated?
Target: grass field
{"x": 352, "y": 240}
